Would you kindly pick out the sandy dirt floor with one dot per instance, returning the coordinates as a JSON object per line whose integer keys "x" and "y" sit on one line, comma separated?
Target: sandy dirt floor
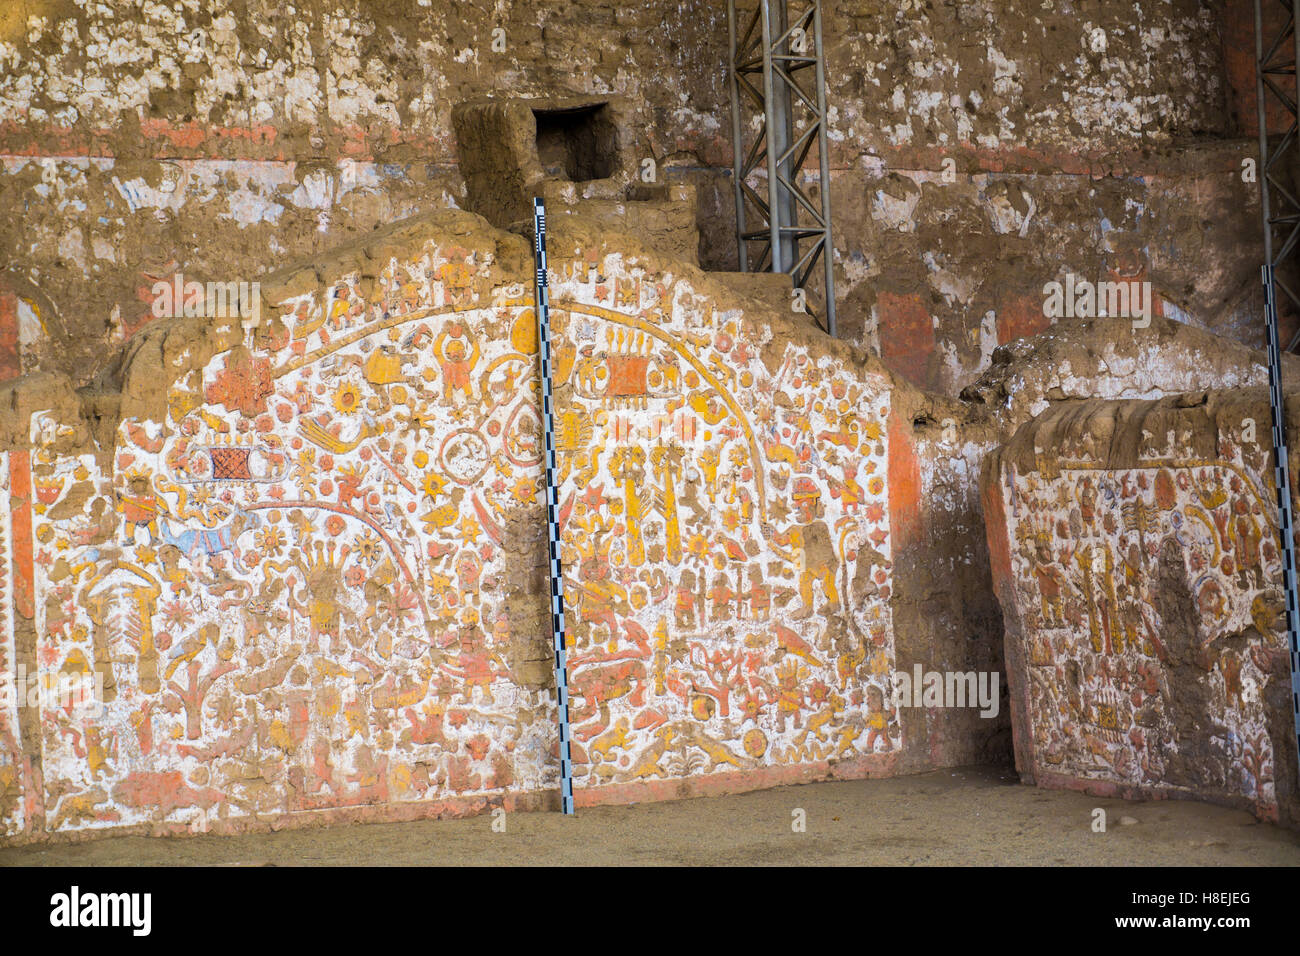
{"x": 979, "y": 816}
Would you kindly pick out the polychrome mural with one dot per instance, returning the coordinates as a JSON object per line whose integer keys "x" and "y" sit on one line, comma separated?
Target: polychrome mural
{"x": 1149, "y": 610}
{"x": 319, "y": 583}
{"x": 725, "y": 539}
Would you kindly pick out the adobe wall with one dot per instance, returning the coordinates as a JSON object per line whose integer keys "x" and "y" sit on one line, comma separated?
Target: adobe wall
{"x": 307, "y": 559}
{"x": 978, "y": 151}
{"x": 1134, "y": 550}
{"x": 218, "y": 143}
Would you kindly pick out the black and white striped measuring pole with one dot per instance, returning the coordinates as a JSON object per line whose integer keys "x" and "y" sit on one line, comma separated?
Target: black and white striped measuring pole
{"x": 1282, "y": 478}
{"x": 552, "y": 504}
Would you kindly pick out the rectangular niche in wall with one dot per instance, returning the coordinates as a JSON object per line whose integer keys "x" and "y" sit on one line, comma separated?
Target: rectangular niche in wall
{"x": 578, "y": 143}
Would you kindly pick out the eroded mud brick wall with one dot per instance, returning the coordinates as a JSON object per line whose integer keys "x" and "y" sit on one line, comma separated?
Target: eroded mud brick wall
{"x": 309, "y": 565}
{"x": 220, "y": 140}
{"x": 1135, "y": 553}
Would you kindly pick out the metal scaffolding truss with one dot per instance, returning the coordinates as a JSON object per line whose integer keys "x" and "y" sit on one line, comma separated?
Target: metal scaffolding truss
{"x": 1275, "y": 83}
{"x": 1277, "y": 51}
{"x": 777, "y": 67}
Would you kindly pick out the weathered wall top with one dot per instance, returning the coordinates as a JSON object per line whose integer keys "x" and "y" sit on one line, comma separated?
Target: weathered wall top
{"x": 1112, "y": 359}
{"x": 141, "y": 142}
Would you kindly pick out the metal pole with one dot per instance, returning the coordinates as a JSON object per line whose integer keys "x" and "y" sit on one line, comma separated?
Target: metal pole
{"x": 784, "y": 112}
{"x": 542, "y": 309}
{"x": 778, "y": 137}
{"x": 1282, "y": 465}
{"x": 738, "y": 159}
{"x": 823, "y": 140}
{"x": 781, "y": 133}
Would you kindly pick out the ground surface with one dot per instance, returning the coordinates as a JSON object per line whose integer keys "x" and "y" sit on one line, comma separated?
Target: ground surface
{"x": 977, "y": 816}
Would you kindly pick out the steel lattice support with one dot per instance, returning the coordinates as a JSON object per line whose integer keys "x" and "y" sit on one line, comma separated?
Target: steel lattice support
{"x": 777, "y": 67}
{"x": 1276, "y": 54}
